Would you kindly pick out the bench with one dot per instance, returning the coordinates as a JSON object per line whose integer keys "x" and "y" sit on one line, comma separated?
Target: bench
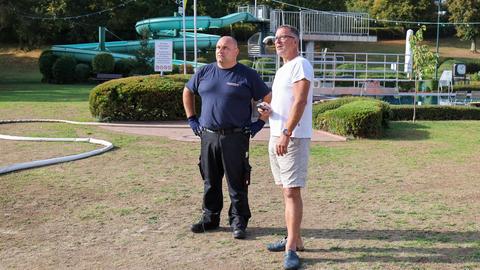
{"x": 103, "y": 77}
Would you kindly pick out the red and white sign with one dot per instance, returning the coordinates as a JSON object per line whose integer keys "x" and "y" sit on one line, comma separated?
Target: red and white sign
{"x": 163, "y": 55}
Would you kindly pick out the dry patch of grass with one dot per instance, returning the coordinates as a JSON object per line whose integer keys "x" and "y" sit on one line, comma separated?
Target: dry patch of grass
{"x": 19, "y": 60}
{"x": 368, "y": 205}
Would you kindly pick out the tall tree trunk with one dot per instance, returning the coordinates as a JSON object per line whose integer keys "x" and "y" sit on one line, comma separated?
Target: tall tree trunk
{"x": 473, "y": 45}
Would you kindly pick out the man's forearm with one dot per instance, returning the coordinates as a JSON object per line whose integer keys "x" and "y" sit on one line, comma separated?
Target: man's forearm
{"x": 188, "y": 102}
{"x": 296, "y": 112}
{"x": 300, "y": 95}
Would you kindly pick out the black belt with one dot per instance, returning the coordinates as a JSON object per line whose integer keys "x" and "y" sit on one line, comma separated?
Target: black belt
{"x": 226, "y": 131}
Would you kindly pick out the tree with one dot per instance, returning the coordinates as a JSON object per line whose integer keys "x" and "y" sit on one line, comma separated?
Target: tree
{"x": 359, "y": 5}
{"x": 423, "y": 61}
{"x": 402, "y": 10}
{"x": 466, "y": 11}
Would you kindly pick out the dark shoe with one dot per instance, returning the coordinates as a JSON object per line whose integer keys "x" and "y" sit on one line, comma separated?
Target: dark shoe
{"x": 239, "y": 233}
{"x": 202, "y": 227}
{"x": 291, "y": 260}
{"x": 280, "y": 246}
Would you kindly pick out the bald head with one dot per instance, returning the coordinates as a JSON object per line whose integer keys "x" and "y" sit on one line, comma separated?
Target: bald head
{"x": 226, "y": 52}
{"x": 228, "y": 39}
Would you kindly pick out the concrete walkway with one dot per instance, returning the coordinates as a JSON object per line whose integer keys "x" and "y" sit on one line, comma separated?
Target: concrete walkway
{"x": 180, "y": 131}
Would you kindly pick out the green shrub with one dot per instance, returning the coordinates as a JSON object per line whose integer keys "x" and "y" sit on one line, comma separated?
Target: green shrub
{"x": 142, "y": 68}
{"x": 124, "y": 66}
{"x": 427, "y": 112}
{"x": 361, "y": 118}
{"x": 431, "y": 85}
{"x": 446, "y": 65}
{"x": 320, "y": 108}
{"x": 82, "y": 72}
{"x": 140, "y": 98}
{"x": 466, "y": 87}
{"x": 189, "y": 69}
{"x": 246, "y": 62}
{"x": 264, "y": 63}
{"x": 45, "y": 63}
{"x": 175, "y": 69}
{"x": 323, "y": 115}
{"x": 103, "y": 63}
{"x": 64, "y": 69}
{"x": 475, "y": 77}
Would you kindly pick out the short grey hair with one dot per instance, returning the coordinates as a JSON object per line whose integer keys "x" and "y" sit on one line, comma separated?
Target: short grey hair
{"x": 292, "y": 30}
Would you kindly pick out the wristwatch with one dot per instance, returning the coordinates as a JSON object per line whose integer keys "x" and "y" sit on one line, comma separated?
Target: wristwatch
{"x": 286, "y": 132}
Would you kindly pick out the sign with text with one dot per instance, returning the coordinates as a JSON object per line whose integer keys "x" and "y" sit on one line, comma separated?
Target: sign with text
{"x": 163, "y": 55}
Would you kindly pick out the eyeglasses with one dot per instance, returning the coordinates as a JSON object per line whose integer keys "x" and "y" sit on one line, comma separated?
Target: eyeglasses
{"x": 283, "y": 38}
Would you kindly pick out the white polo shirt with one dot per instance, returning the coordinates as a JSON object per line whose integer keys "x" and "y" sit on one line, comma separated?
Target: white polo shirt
{"x": 282, "y": 98}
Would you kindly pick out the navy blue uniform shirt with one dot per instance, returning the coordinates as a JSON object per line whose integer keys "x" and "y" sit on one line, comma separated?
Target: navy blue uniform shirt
{"x": 226, "y": 95}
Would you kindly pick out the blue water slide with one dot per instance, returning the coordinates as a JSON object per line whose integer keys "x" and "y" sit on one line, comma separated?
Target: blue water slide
{"x": 157, "y": 25}
{"x": 164, "y": 28}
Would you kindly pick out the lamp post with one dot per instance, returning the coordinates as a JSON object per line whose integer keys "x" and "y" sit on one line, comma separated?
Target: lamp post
{"x": 439, "y": 12}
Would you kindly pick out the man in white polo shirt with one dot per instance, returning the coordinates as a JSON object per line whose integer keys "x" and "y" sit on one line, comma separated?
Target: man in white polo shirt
{"x": 290, "y": 135}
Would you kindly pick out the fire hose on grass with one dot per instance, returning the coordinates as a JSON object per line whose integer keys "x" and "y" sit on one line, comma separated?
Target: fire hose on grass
{"x": 38, "y": 163}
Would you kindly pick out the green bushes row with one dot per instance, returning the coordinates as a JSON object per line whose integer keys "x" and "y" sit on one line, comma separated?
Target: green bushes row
{"x": 64, "y": 69}
{"x": 139, "y": 98}
{"x": 352, "y": 116}
{"x": 466, "y": 87}
{"x": 427, "y": 112}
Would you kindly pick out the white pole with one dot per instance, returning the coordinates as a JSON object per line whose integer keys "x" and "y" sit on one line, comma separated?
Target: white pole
{"x": 408, "y": 54}
{"x": 255, "y": 15}
{"x": 195, "y": 32}
{"x": 184, "y": 40}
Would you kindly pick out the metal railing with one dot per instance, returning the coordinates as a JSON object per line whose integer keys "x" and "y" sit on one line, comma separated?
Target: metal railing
{"x": 322, "y": 23}
{"x": 355, "y": 73}
{"x": 261, "y": 12}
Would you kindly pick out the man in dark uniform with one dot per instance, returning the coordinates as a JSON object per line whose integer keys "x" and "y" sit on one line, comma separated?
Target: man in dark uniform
{"x": 227, "y": 89}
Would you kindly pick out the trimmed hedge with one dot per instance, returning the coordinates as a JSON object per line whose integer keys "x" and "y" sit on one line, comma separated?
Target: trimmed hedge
{"x": 361, "y": 118}
{"x": 434, "y": 112}
{"x": 140, "y": 98}
{"x": 352, "y": 116}
{"x": 320, "y": 108}
{"x": 82, "y": 72}
{"x": 103, "y": 63}
{"x": 64, "y": 69}
{"x": 45, "y": 63}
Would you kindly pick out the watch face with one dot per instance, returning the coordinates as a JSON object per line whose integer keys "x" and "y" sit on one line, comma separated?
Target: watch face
{"x": 461, "y": 69}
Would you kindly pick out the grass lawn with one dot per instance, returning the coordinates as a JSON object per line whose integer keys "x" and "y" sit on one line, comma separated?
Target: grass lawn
{"x": 408, "y": 201}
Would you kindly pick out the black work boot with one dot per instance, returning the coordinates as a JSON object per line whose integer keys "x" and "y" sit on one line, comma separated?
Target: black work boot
{"x": 202, "y": 226}
{"x": 239, "y": 233}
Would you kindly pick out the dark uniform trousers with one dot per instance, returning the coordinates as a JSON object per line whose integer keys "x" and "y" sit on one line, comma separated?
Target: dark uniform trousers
{"x": 225, "y": 154}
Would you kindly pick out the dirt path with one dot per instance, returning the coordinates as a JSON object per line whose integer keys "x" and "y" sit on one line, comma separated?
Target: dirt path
{"x": 182, "y": 132}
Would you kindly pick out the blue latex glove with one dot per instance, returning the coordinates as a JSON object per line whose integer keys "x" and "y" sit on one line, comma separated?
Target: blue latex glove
{"x": 195, "y": 125}
{"x": 256, "y": 127}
